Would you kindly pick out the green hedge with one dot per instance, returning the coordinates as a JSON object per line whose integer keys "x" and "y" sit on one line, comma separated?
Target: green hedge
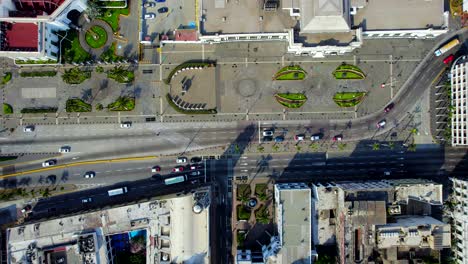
{"x": 6, "y": 77}
{"x": 39, "y": 110}
{"x": 77, "y": 105}
{"x": 291, "y": 100}
{"x": 294, "y": 72}
{"x": 347, "y": 71}
{"x": 6, "y": 158}
{"x": 189, "y": 112}
{"x": 123, "y": 103}
{"x": 187, "y": 65}
{"x": 75, "y": 76}
{"x": 35, "y": 61}
{"x": 7, "y": 109}
{"x": 38, "y": 74}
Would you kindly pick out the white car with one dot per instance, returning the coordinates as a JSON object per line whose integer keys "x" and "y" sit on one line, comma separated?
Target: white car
{"x": 87, "y": 200}
{"x": 64, "y": 149}
{"x": 126, "y": 125}
{"x": 48, "y": 163}
{"x": 28, "y": 129}
{"x": 149, "y": 4}
{"x": 381, "y": 124}
{"x": 150, "y": 16}
{"x": 181, "y": 160}
{"x": 267, "y": 133}
{"x": 299, "y": 137}
{"x": 195, "y": 173}
{"x": 89, "y": 174}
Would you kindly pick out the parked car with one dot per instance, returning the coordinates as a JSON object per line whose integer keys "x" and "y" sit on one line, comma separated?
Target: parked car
{"x": 193, "y": 167}
{"x": 155, "y": 169}
{"x": 149, "y": 4}
{"x": 316, "y": 137}
{"x": 268, "y": 132}
{"x": 181, "y": 160}
{"x": 126, "y": 125}
{"x": 389, "y": 107}
{"x": 163, "y": 10}
{"x": 150, "y": 16}
{"x": 337, "y": 138}
{"x": 299, "y": 137}
{"x": 89, "y": 174}
{"x": 48, "y": 163}
{"x": 160, "y": 1}
{"x": 87, "y": 200}
{"x": 267, "y": 139}
{"x": 26, "y": 209}
{"x": 195, "y": 173}
{"x": 279, "y": 139}
{"x": 28, "y": 129}
{"x": 64, "y": 149}
{"x": 381, "y": 123}
{"x": 387, "y": 173}
{"x": 449, "y": 59}
{"x": 195, "y": 160}
{"x": 178, "y": 169}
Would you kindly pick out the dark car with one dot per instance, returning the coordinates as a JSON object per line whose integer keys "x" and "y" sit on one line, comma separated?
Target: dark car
{"x": 317, "y": 136}
{"x": 163, "y": 10}
{"x": 195, "y": 160}
{"x": 279, "y": 139}
{"x": 389, "y": 107}
{"x": 267, "y": 139}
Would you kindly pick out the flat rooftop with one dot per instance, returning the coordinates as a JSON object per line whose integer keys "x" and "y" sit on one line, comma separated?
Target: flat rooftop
{"x": 172, "y": 229}
{"x": 29, "y": 8}
{"x": 19, "y": 36}
{"x": 410, "y": 14}
{"x": 295, "y": 206}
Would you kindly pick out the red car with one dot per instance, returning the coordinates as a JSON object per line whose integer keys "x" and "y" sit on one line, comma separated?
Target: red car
{"x": 338, "y": 138}
{"x": 155, "y": 169}
{"x": 389, "y": 107}
{"x": 449, "y": 59}
{"x": 178, "y": 169}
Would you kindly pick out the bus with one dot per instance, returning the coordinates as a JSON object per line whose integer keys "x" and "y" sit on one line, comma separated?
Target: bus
{"x": 174, "y": 180}
{"x": 117, "y": 191}
{"x": 447, "y": 47}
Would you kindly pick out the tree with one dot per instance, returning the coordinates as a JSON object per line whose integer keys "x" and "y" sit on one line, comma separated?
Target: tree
{"x": 45, "y": 193}
{"x": 94, "y": 10}
{"x": 341, "y": 146}
{"x": 325, "y": 259}
{"x": 391, "y": 145}
{"x": 412, "y": 147}
{"x": 414, "y": 131}
{"x": 376, "y": 146}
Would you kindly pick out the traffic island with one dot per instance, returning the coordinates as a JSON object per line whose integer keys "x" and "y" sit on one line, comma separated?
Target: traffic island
{"x": 290, "y": 73}
{"x": 349, "y": 99}
{"x": 291, "y": 100}
{"x": 96, "y": 37}
{"x": 348, "y": 72}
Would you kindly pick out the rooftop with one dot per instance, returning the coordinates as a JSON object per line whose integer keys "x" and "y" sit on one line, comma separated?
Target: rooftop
{"x": 28, "y": 8}
{"x": 19, "y": 36}
{"x": 411, "y": 14}
{"x": 324, "y": 16}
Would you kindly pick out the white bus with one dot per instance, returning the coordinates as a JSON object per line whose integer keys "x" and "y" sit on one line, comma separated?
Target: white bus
{"x": 174, "y": 180}
{"x": 117, "y": 191}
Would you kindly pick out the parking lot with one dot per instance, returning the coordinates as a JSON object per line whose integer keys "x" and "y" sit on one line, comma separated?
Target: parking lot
{"x": 180, "y": 14}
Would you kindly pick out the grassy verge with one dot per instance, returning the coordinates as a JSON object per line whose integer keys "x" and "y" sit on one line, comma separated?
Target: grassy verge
{"x": 39, "y": 110}
{"x": 189, "y": 112}
{"x": 347, "y": 71}
{"x": 72, "y": 50}
{"x": 6, "y": 77}
{"x": 111, "y": 16}
{"x": 187, "y": 65}
{"x": 75, "y": 76}
{"x": 291, "y": 100}
{"x": 38, "y": 74}
{"x": 290, "y": 73}
{"x": 261, "y": 191}
{"x": 7, "y": 158}
{"x": 242, "y": 213}
{"x": 123, "y": 103}
{"x": 77, "y": 105}
{"x": 7, "y": 109}
{"x": 36, "y": 61}
{"x": 96, "y": 37}
{"x": 348, "y": 99}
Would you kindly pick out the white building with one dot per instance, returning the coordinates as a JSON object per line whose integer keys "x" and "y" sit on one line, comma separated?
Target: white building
{"x": 460, "y": 220}
{"x": 459, "y": 85}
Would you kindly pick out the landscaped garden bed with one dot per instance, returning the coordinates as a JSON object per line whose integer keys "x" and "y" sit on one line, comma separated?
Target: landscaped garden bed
{"x": 77, "y": 105}
{"x": 291, "y": 100}
{"x": 75, "y": 76}
{"x": 112, "y": 16}
{"x": 262, "y": 215}
{"x": 121, "y": 75}
{"x": 185, "y": 66}
{"x": 110, "y": 56}
{"x": 290, "y": 73}
{"x": 123, "y": 103}
{"x": 33, "y": 110}
{"x": 243, "y": 213}
{"x": 71, "y": 48}
{"x": 6, "y": 77}
{"x": 348, "y": 99}
{"x": 112, "y": 4}
{"x": 261, "y": 191}
{"x": 7, "y": 109}
{"x": 96, "y": 37}
{"x": 50, "y": 61}
{"x": 38, "y": 74}
{"x": 348, "y": 72}
{"x": 189, "y": 112}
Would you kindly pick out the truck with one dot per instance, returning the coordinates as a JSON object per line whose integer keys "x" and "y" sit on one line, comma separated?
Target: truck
{"x": 174, "y": 180}
{"x": 448, "y": 46}
{"x": 117, "y": 191}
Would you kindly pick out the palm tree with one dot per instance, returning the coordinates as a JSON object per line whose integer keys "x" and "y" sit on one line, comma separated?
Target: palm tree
{"x": 376, "y": 146}
{"x": 262, "y": 215}
{"x": 94, "y": 10}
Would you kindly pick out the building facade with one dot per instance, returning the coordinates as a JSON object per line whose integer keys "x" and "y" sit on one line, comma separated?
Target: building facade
{"x": 459, "y": 92}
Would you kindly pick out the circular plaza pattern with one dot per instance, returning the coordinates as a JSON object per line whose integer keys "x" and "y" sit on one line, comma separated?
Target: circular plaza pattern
{"x": 246, "y": 87}
{"x": 96, "y": 37}
{"x": 98, "y": 33}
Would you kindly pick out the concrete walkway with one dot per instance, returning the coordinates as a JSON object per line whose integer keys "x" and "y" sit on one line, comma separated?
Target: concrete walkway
{"x": 110, "y": 37}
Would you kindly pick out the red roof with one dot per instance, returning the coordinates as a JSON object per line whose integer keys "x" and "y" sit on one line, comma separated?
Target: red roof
{"x": 186, "y": 35}
{"x": 22, "y": 36}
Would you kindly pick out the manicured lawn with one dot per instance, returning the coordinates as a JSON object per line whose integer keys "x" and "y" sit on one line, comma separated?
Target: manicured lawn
{"x": 77, "y": 105}
{"x": 242, "y": 213}
{"x": 111, "y": 16}
{"x": 291, "y": 100}
{"x": 292, "y": 96}
{"x": 72, "y": 50}
{"x": 290, "y": 73}
{"x": 6, "y": 77}
{"x": 347, "y": 71}
{"x": 96, "y": 37}
{"x": 123, "y": 103}
{"x": 348, "y": 99}
{"x": 7, "y": 109}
